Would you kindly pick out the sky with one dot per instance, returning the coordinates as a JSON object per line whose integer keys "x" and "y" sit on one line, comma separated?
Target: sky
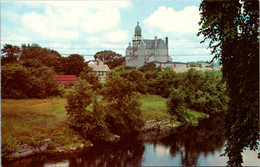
{"x": 87, "y": 27}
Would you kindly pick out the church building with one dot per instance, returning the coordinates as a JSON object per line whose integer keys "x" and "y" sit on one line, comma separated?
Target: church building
{"x": 143, "y": 51}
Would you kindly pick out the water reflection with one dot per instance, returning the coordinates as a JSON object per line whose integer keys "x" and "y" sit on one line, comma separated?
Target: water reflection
{"x": 127, "y": 153}
{"x": 188, "y": 145}
{"x": 190, "y": 142}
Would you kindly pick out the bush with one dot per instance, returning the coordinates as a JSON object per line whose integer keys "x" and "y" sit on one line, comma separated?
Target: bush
{"x": 124, "y": 114}
{"x": 132, "y": 76}
{"x": 9, "y": 145}
{"x": 201, "y": 91}
{"x": 166, "y": 79}
{"x": 176, "y": 104}
{"x": 21, "y": 82}
{"x": 86, "y": 114}
{"x": 91, "y": 77}
{"x": 15, "y": 80}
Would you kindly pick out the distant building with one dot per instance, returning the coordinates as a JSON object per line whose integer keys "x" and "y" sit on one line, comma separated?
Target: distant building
{"x": 100, "y": 69}
{"x": 143, "y": 51}
{"x": 65, "y": 79}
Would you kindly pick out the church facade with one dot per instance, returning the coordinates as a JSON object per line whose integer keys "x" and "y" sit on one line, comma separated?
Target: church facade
{"x": 143, "y": 51}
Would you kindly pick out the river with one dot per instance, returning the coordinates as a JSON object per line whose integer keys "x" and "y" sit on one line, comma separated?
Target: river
{"x": 190, "y": 145}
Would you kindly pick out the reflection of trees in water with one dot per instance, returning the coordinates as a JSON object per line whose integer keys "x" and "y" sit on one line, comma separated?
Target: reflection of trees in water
{"x": 119, "y": 154}
{"x": 191, "y": 142}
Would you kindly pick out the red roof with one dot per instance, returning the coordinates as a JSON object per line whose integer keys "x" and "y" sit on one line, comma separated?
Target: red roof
{"x": 65, "y": 78}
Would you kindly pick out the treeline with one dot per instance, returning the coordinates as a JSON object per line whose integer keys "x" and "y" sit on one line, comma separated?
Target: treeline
{"x": 28, "y": 71}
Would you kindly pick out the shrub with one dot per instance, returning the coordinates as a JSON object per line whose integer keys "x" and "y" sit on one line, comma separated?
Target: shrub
{"x": 21, "y": 82}
{"x": 201, "y": 91}
{"x": 9, "y": 145}
{"x": 124, "y": 114}
{"x": 86, "y": 114}
{"x": 91, "y": 77}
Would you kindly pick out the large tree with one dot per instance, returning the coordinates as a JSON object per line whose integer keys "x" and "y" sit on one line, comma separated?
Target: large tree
{"x": 33, "y": 55}
{"x": 73, "y": 64}
{"x": 233, "y": 30}
{"x": 10, "y": 54}
{"x": 112, "y": 59}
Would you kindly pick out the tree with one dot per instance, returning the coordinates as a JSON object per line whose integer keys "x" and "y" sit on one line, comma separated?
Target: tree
{"x": 110, "y": 58}
{"x": 74, "y": 64}
{"x": 91, "y": 77}
{"x": 123, "y": 104}
{"x": 36, "y": 56}
{"x": 165, "y": 80}
{"x": 233, "y": 30}
{"x": 10, "y": 54}
{"x": 151, "y": 73}
{"x": 22, "y": 82}
{"x": 86, "y": 114}
{"x": 134, "y": 76}
{"x": 15, "y": 81}
{"x": 202, "y": 91}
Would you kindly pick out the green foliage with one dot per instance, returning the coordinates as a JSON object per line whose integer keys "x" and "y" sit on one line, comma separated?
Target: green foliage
{"x": 150, "y": 73}
{"x": 123, "y": 102}
{"x": 110, "y": 58}
{"x": 113, "y": 110}
{"x": 36, "y": 56}
{"x": 15, "y": 81}
{"x": 86, "y": 114}
{"x": 21, "y": 82}
{"x": 10, "y": 54}
{"x": 166, "y": 79}
{"x": 200, "y": 91}
{"x": 134, "y": 79}
{"x": 91, "y": 77}
{"x": 9, "y": 145}
{"x": 73, "y": 64}
{"x": 176, "y": 105}
{"x": 233, "y": 31}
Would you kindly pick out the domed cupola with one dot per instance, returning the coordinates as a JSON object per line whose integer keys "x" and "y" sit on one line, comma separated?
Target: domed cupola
{"x": 129, "y": 47}
{"x": 138, "y": 31}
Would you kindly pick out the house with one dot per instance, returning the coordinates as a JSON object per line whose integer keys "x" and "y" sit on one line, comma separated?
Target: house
{"x": 143, "y": 51}
{"x": 65, "y": 79}
{"x": 100, "y": 69}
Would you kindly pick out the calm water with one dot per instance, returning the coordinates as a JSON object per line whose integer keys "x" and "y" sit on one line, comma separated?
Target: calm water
{"x": 199, "y": 145}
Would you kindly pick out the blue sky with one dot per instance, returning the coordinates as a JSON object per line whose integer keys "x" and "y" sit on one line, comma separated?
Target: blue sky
{"x": 86, "y": 27}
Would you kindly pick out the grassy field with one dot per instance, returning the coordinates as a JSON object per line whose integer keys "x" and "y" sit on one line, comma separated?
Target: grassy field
{"x": 31, "y": 120}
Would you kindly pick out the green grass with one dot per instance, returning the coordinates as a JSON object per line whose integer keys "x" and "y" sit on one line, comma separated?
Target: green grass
{"x": 35, "y": 119}
{"x": 154, "y": 108}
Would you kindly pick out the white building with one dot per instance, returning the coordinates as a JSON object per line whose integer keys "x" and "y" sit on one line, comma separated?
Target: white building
{"x": 100, "y": 69}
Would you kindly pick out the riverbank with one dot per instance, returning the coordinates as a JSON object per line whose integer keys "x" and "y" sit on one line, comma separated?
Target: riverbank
{"x": 27, "y": 123}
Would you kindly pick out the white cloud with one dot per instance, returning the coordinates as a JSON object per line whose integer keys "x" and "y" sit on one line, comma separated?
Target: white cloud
{"x": 101, "y": 20}
{"x": 47, "y": 26}
{"x": 169, "y": 20}
{"x": 116, "y": 36}
{"x": 66, "y": 20}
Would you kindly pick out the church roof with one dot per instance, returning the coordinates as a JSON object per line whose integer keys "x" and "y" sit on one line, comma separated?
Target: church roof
{"x": 99, "y": 68}
{"x": 150, "y": 44}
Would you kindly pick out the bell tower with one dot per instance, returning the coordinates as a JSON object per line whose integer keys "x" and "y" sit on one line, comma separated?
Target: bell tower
{"x": 138, "y": 35}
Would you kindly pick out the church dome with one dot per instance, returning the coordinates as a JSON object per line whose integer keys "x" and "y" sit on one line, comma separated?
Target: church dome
{"x": 129, "y": 47}
{"x": 138, "y": 30}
